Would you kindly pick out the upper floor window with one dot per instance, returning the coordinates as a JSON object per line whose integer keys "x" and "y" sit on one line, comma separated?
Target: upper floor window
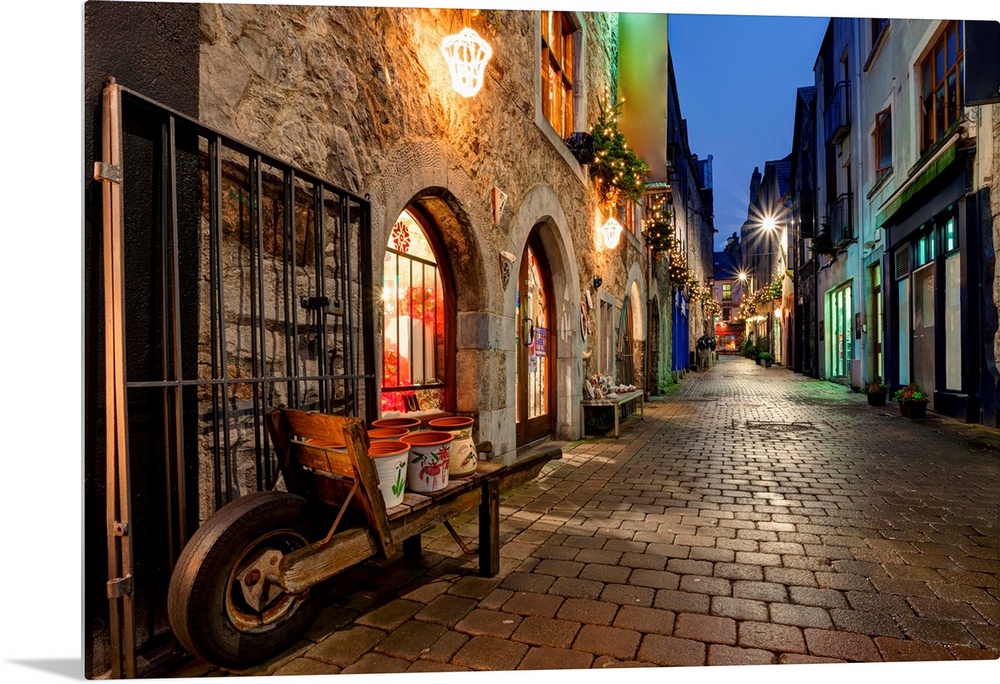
{"x": 883, "y": 144}
{"x": 878, "y": 28}
{"x": 727, "y": 290}
{"x": 941, "y": 74}
{"x": 557, "y": 71}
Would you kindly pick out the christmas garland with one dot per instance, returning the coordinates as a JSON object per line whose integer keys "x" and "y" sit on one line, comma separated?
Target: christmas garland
{"x": 617, "y": 170}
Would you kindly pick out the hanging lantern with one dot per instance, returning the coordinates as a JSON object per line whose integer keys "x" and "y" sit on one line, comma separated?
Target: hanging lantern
{"x": 466, "y": 54}
{"x": 611, "y": 230}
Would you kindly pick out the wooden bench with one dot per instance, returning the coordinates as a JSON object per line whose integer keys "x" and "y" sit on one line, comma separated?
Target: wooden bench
{"x": 617, "y": 402}
{"x": 346, "y": 482}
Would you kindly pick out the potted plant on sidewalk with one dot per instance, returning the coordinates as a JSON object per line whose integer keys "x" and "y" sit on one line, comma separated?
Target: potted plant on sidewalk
{"x": 766, "y": 358}
{"x": 877, "y": 392}
{"x": 912, "y": 401}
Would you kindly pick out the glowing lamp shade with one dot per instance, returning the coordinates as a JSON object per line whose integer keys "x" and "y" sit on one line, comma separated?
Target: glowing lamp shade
{"x": 466, "y": 54}
{"x": 611, "y": 230}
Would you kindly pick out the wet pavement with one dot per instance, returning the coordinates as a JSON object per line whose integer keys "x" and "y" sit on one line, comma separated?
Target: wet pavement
{"x": 753, "y": 516}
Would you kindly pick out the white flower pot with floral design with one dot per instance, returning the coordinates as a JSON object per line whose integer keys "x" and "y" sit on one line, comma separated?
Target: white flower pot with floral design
{"x": 390, "y": 460}
{"x": 429, "y": 459}
{"x": 463, "y": 450}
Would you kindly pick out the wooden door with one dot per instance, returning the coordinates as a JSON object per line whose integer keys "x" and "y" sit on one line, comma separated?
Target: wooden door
{"x": 535, "y": 343}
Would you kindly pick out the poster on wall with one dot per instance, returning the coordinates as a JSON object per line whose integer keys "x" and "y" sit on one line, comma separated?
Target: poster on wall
{"x": 540, "y": 341}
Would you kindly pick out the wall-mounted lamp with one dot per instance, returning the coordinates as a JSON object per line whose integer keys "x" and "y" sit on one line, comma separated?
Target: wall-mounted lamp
{"x": 598, "y": 280}
{"x": 466, "y": 54}
{"x": 612, "y": 231}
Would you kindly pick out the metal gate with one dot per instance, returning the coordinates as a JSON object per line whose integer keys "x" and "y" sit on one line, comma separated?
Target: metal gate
{"x": 233, "y": 283}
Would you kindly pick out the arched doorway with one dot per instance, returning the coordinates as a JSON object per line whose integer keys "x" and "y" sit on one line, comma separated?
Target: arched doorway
{"x": 653, "y": 349}
{"x": 535, "y": 345}
{"x": 418, "y": 340}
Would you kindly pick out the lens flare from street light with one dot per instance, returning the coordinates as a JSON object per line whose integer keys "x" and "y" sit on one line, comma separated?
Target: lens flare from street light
{"x": 742, "y": 275}
{"x": 769, "y": 224}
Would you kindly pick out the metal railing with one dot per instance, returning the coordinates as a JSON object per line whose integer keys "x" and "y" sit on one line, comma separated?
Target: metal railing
{"x": 841, "y": 226}
{"x": 234, "y": 283}
{"x": 838, "y": 114}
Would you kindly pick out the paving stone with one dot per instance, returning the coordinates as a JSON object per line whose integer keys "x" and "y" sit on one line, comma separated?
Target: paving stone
{"x": 845, "y": 645}
{"x": 425, "y": 593}
{"x": 605, "y": 556}
{"x": 739, "y": 571}
{"x": 626, "y": 595}
{"x": 434, "y": 666}
{"x": 645, "y": 561}
{"x": 790, "y": 576}
{"x": 671, "y": 652}
{"x": 708, "y": 628}
{"x": 391, "y": 615}
{"x": 411, "y": 639}
{"x": 302, "y": 666}
{"x": 800, "y": 616}
{"x": 549, "y": 632}
{"x": 446, "y": 610}
{"x": 346, "y": 646}
{"x": 488, "y": 623}
{"x": 689, "y": 567}
{"x": 865, "y": 622}
{"x": 474, "y": 587}
{"x": 587, "y": 611}
{"x": 610, "y": 641}
{"x": 574, "y": 587}
{"x": 445, "y": 646}
{"x": 544, "y": 658}
{"x": 739, "y": 609}
{"x": 645, "y": 620}
{"x": 900, "y": 650}
{"x": 376, "y": 663}
{"x": 656, "y": 579}
{"x": 528, "y": 603}
{"x": 717, "y": 586}
{"x": 528, "y": 581}
{"x": 719, "y": 654}
{"x": 489, "y": 653}
{"x": 559, "y": 568}
{"x": 771, "y": 637}
{"x": 762, "y": 591}
{"x": 801, "y": 659}
{"x": 824, "y": 598}
{"x": 605, "y": 573}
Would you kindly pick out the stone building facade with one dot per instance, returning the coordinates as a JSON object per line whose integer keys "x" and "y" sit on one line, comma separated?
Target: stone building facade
{"x": 482, "y": 192}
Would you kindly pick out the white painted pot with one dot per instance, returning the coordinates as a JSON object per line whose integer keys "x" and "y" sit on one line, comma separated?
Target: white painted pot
{"x": 390, "y": 464}
{"x": 429, "y": 459}
{"x": 463, "y": 450}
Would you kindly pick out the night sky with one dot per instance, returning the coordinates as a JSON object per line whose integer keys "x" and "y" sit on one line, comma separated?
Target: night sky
{"x": 736, "y": 81}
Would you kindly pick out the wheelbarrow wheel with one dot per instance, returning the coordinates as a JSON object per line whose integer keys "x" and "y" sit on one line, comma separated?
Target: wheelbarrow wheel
{"x": 221, "y": 604}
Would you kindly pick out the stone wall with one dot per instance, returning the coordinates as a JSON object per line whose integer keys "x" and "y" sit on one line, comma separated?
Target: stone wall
{"x": 361, "y": 97}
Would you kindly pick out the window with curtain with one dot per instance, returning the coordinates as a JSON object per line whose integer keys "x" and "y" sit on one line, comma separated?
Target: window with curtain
{"x": 414, "y": 321}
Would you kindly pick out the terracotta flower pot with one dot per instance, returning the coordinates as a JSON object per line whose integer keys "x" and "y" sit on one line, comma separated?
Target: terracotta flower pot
{"x": 410, "y": 424}
{"x": 463, "y": 450}
{"x": 390, "y": 463}
{"x": 387, "y": 434}
{"x": 429, "y": 460}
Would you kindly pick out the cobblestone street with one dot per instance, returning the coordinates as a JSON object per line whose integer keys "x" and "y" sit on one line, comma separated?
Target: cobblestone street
{"x": 753, "y": 516}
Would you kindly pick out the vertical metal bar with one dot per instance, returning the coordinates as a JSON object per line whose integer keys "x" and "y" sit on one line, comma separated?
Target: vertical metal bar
{"x": 297, "y": 403}
{"x": 289, "y": 299}
{"x": 367, "y": 305}
{"x": 121, "y": 604}
{"x": 175, "y": 276}
{"x": 319, "y": 315}
{"x": 260, "y": 432}
{"x": 347, "y": 311}
{"x": 256, "y": 350}
{"x": 214, "y": 279}
{"x": 220, "y": 295}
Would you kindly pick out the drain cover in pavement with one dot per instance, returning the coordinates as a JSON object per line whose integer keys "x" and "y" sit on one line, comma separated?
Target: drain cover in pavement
{"x": 771, "y": 426}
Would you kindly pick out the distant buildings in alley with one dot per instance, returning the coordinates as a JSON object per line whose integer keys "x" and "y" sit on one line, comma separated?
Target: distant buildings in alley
{"x": 877, "y": 234}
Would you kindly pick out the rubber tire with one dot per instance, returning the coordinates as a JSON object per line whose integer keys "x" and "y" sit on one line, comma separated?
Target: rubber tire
{"x": 196, "y": 601}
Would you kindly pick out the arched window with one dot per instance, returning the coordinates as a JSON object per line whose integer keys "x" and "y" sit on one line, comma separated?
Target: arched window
{"x": 416, "y": 321}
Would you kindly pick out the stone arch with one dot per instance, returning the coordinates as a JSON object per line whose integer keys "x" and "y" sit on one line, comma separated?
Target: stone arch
{"x": 541, "y": 210}
{"x": 425, "y": 178}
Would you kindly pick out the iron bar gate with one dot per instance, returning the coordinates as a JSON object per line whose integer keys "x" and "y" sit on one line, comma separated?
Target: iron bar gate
{"x": 234, "y": 283}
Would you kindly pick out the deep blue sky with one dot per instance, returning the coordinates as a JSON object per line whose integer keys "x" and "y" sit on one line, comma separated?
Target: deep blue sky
{"x": 736, "y": 81}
